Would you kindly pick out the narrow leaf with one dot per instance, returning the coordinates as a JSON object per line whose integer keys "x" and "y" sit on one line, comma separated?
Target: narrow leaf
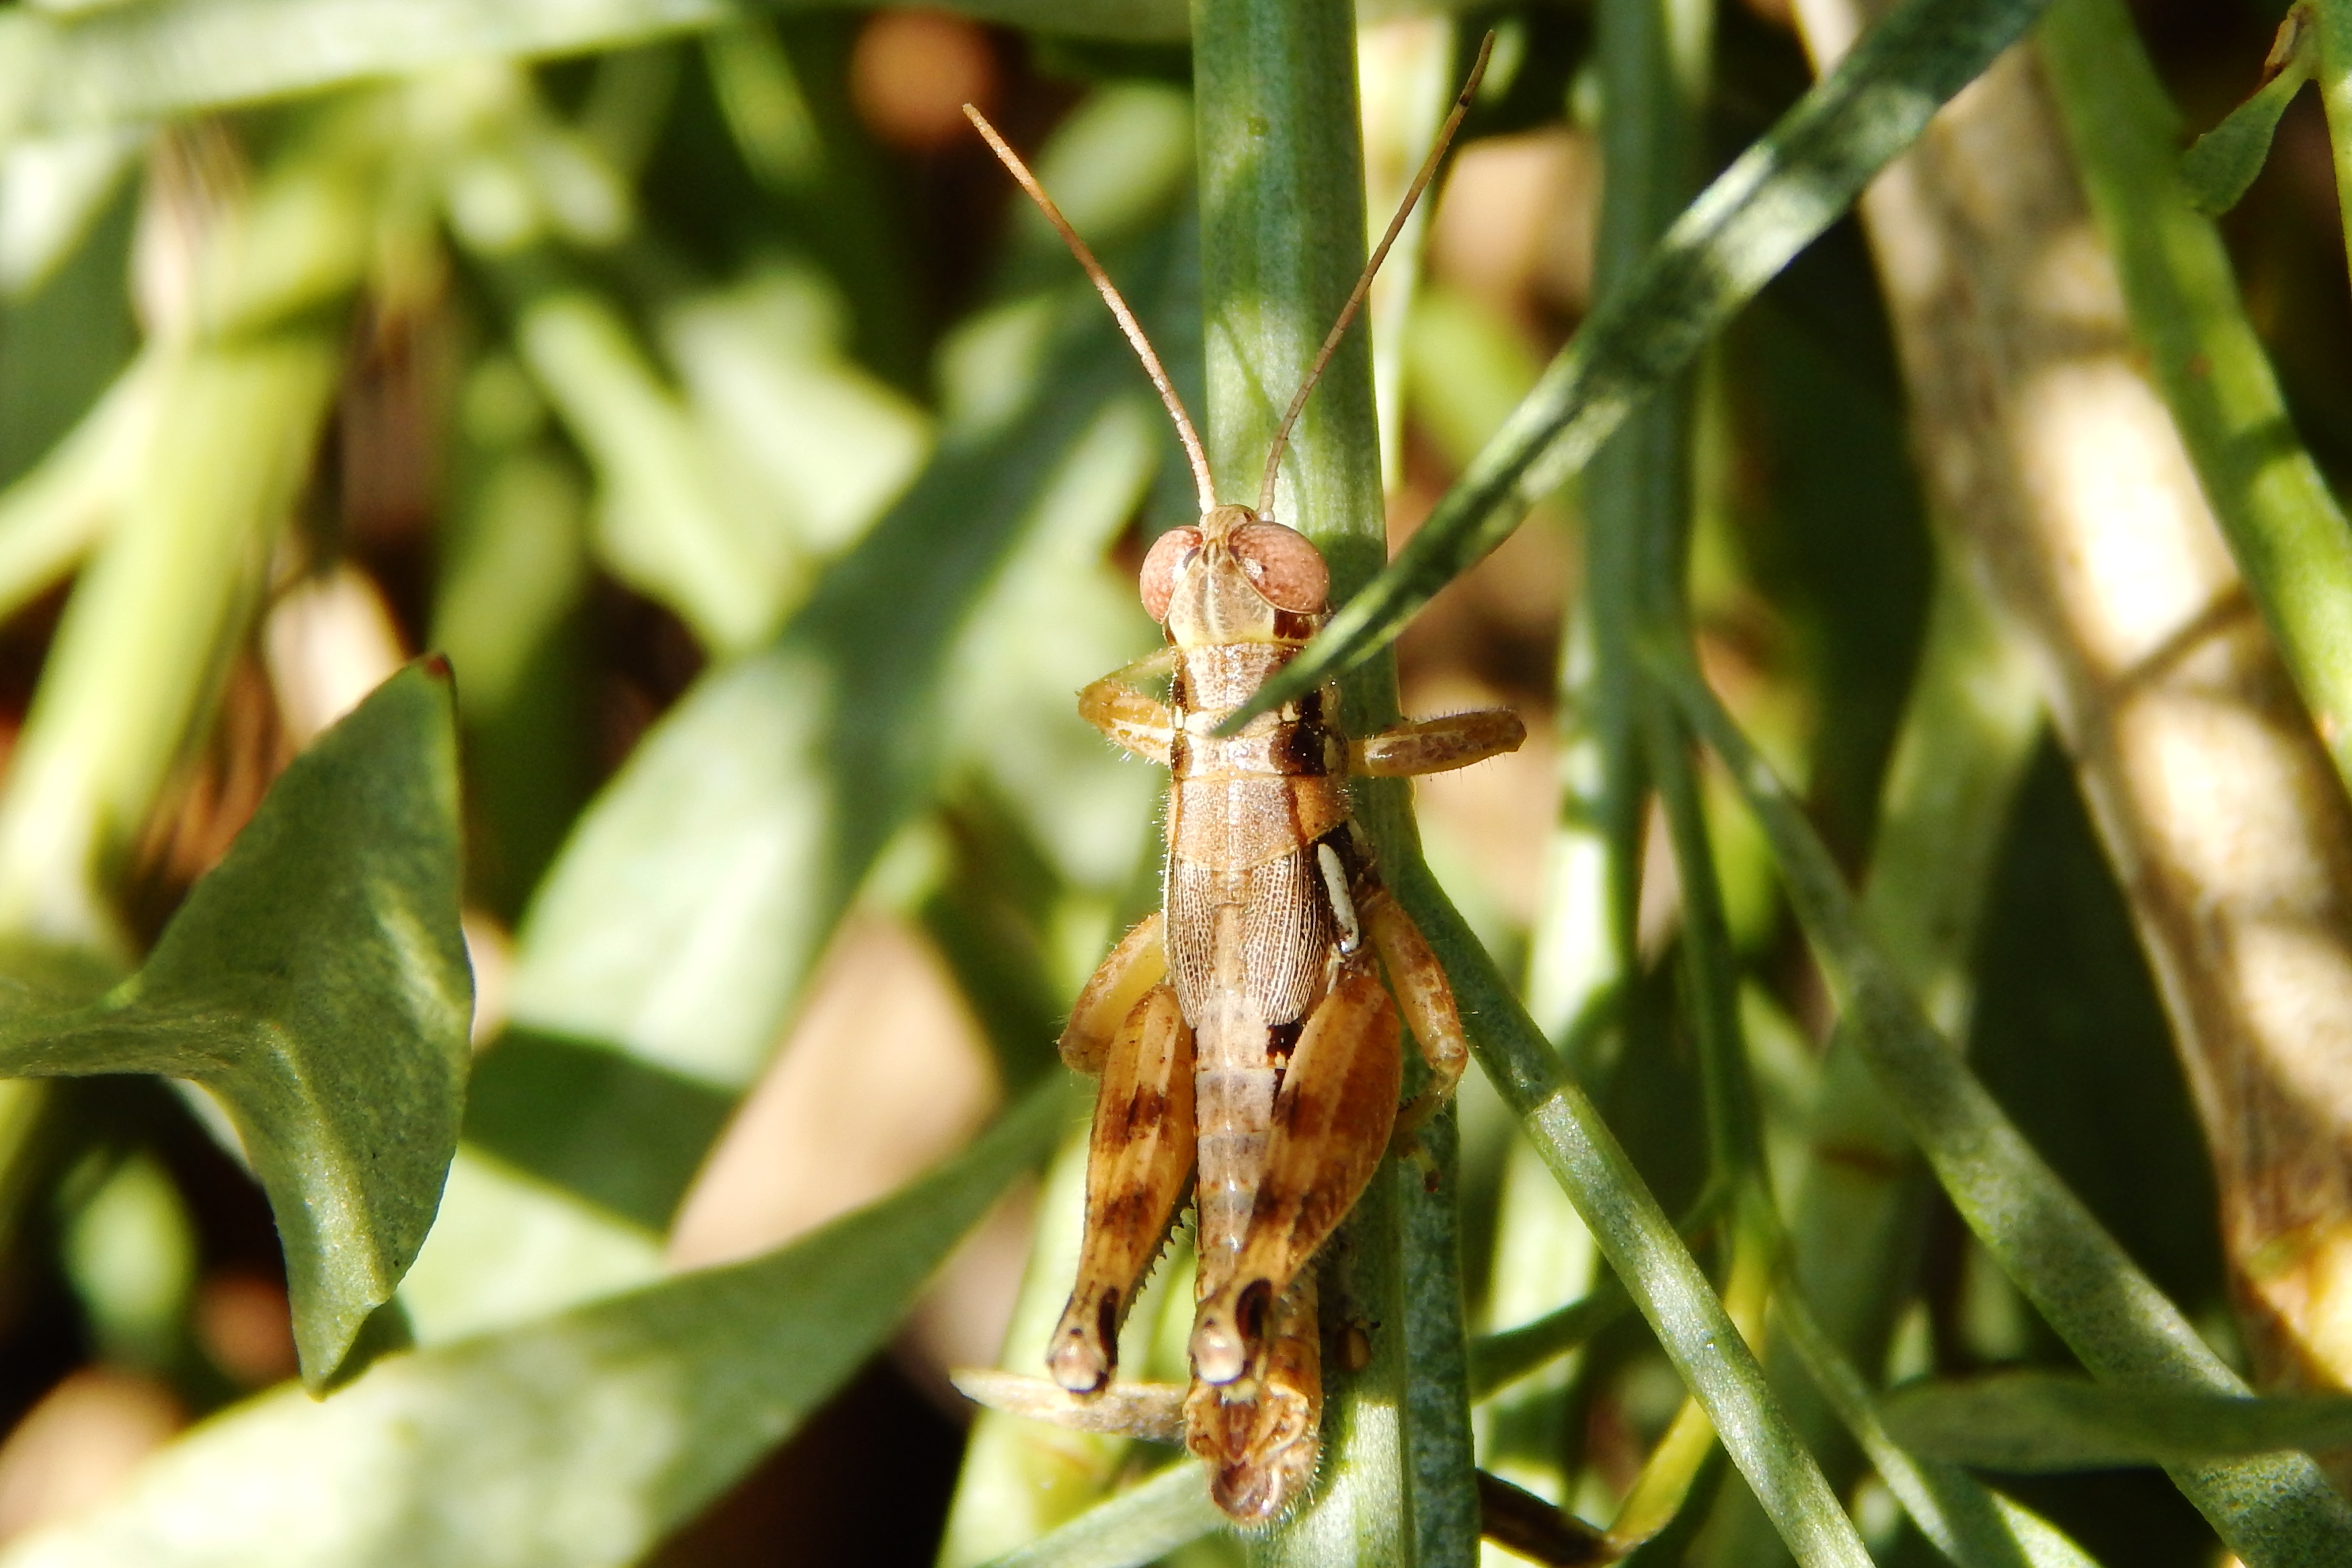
{"x": 2289, "y": 537}
{"x": 1138, "y": 1526}
{"x": 1500, "y": 1360}
{"x": 1639, "y": 1241}
{"x": 1970, "y": 1523}
{"x": 2034, "y": 1421}
{"x": 2221, "y": 165}
{"x": 575, "y": 1442}
{"x": 2270, "y": 1511}
{"x": 1756, "y": 216}
{"x": 316, "y": 982}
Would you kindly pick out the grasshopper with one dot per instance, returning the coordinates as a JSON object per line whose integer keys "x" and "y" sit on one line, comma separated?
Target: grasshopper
{"x": 1245, "y": 1045}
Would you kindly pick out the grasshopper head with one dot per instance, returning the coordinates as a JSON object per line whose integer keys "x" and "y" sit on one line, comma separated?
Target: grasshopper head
{"x": 1236, "y": 577}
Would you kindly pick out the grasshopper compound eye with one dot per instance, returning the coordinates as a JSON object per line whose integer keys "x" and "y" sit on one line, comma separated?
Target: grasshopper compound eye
{"x": 1170, "y": 553}
{"x": 1285, "y": 568}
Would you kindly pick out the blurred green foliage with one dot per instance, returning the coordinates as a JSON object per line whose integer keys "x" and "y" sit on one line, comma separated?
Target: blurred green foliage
{"x": 680, "y": 373}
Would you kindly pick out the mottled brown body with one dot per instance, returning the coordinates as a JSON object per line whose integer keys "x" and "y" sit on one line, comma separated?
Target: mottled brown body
{"x": 1260, "y": 977}
{"x": 1244, "y": 1043}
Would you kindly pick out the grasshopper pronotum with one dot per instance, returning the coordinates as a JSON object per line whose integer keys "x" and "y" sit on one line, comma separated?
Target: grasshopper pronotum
{"x": 1242, "y": 1033}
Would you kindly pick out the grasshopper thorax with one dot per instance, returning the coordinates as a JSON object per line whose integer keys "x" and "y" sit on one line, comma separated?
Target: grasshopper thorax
{"x": 1235, "y": 577}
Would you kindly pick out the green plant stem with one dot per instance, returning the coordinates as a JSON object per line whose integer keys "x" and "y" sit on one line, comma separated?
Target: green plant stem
{"x": 149, "y": 631}
{"x": 2291, "y": 540}
{"x": 2335, "y": 18}
{"x": 1438, "y": 1444}
{"x": 1637, "y": 507}
{"x": 1759, "y": 214}
{"x": 1973, "y": 1525}
{"x": 1499, "y": 1360}
{"x": 2275, "y": 1510}
{"x": 1635, "y": 1233}
{"x": 1281, "y": 241}
{"x": 1967, "y": 732}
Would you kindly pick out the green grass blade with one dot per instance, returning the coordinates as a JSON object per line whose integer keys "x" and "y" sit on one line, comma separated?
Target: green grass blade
{"x": 1438, "y": 1442}
{"x": 575, "y": 1442}
{"x": 1640, "y": 1243}
{"x": 1278, "y": 138}
{"x": 316, "y": 981}
{"x": 1499, "y": 1360}
{"x": 2034, "y": 1421}
{"x": 1970, "y": 1523}
{"x": 1738, "y": 234}
{"x": 2291, "y": 540}
{"x": 2334, "y": 71}
{"x": 1968, "y": 733}
{"x": 1138, "y": 1526}
{"x": 2272, "y": 1510}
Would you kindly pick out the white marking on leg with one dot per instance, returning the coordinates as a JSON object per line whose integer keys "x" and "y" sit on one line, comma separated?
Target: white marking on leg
{"x": 1343, "y": 908}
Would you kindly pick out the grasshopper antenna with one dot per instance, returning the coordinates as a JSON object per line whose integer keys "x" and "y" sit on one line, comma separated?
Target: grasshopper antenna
{"x": 1364, "y": 284}
{"x": 1194, "y": 452}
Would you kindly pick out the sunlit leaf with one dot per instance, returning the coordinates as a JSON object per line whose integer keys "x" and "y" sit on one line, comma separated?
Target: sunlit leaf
{"x": 316, "y": 983}
{"x": 2286, "y": 531}
{"x": 575, "y": 1442}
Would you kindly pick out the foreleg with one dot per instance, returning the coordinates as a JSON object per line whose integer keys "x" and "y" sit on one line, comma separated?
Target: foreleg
{"x": 1131, "y": 718}
{"x": 1138, "y": 1161}
{"x": 1436, "y": 745}
{"x": 1329, "y": 1131}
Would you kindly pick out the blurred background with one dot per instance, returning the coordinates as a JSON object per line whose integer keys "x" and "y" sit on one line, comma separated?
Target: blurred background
{"x": 598, "y": 373}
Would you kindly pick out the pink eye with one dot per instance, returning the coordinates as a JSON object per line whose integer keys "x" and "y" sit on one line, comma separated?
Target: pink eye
{"x": 1170, "y": 552}
{"x": 1286, "y": 569}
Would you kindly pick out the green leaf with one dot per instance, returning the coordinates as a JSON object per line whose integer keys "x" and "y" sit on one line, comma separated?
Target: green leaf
{"x": 2037, "y": 1421}
{"x": 576, "y": 1442}
{"x": 1139, "y": 1525}
{"x": 109, "y": 65}
{"x": 2270, "y": 1511}
{"x": 2290, "y": 539}
{"x": 1758, "y": 215}
{"x": 2221, "y": 163}
{"x": 1637, "y": 1238}
{"x": 1500, "y": 1360}
{"x": 316, "y": 983}
{"x": 1968, "y": 1522}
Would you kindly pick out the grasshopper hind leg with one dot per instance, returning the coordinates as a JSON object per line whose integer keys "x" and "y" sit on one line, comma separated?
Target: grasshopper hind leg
{"x": 1139, "y": 1163}
{"x": 1331, "y": 1127}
